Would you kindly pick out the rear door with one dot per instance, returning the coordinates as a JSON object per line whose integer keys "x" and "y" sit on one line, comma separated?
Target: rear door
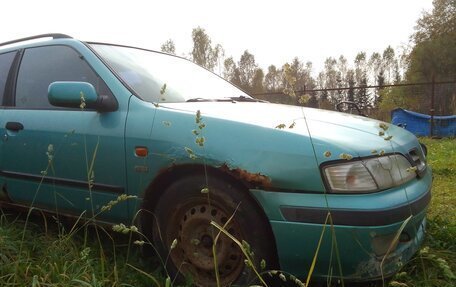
{"x": 64, "y": 160}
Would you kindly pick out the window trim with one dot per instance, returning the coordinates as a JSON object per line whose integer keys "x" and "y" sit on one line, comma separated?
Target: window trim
{"x": 10, "y": 76}
{"x": 11, "y": 104}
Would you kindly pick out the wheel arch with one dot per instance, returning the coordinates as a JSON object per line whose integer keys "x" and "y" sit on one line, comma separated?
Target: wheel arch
{"x": 167, "y": 176}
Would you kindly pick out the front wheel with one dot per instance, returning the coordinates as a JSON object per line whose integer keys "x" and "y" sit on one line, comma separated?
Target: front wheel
{"x": 185, "y": 233}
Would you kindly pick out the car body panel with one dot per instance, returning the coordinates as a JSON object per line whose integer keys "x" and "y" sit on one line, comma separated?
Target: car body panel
{"x": 297, "y": 241}
{"x": 288, "y": 147}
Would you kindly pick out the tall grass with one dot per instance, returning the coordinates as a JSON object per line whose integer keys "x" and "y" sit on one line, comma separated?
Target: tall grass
{"x": 34, "y": 256}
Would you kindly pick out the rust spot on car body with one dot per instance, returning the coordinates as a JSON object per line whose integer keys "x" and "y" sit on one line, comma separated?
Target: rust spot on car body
{"x": 252, "y": 179}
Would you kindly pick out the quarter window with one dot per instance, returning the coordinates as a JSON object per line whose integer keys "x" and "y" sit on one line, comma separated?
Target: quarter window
{"x": 5, "y": 64}
{"x": 43, "y": 65}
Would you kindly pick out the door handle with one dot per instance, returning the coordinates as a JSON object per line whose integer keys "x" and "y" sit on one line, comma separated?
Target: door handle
{"x": 14, "y": 126}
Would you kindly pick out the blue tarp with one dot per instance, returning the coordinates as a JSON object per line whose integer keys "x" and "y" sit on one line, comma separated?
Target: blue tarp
{"x": 420, "y": 124}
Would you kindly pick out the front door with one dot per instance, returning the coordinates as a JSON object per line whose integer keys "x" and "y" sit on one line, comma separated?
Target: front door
{"x": 65, "y": 160}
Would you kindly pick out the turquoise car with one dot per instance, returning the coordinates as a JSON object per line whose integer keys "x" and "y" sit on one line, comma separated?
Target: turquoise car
{"x": 143, "y": 138}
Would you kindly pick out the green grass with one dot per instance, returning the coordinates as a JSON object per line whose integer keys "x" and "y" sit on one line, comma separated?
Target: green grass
{"x": 435, "y": 264}
{"x": 43, "y": 252}
{"x": 33, "y": 255}
{"x": 442, "y": 158}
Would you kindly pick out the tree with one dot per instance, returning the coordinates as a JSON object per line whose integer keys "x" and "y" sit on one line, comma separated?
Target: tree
{"x": 289, "y": 81}
{"x": 360, "y": 73}
{"x": 203, "y": 53}
{"x": 257, "y": 82}
{"x": 376, "y": 71}
{"x": 168, "y": 47}
{"x": 247, "y": 68}
{"x": 323, "y": 98}
{"x": 441, "y": 21}
{"x": 231, "y": 72}
{"x": 272, "y": 79}
{"x": 434, "y": 54}
{"x": 351, "y": 84}
{"x": 380, "y": 83}
{"x": 362, "y": 97}
{"x": 297, "y": 71}
{"x": 304, "y": 81}
{"x": 342, "y": 69}
{"x": 360, "y": 66}
{"x": 375, "y": 65}
{"x": 309, "y": 80}
{"x": 397, "y": 73}
{"x": 435, "y": 38}
{"x": 313, "y": 102}
{"x": 393, "y": 97}
{"x": 389, "y": 64}
{"x": 330, "y": 79}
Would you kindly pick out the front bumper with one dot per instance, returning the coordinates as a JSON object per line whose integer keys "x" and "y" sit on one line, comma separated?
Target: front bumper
{"x": 360, "y": 237}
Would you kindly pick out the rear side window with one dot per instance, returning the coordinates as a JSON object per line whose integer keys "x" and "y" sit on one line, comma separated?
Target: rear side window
{"x": 43, "y": 65}
{"x": 5, "y": 64}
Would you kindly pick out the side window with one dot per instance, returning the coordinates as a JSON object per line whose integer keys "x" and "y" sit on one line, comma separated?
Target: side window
{"x": 5, "y": 64}
{"x": 43, "y": 65}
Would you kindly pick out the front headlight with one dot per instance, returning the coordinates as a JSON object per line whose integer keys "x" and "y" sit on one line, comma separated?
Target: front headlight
{"x": 369, "y": 175}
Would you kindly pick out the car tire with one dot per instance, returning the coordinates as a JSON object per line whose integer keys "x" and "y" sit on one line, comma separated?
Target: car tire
{"x": 185, "y": 236}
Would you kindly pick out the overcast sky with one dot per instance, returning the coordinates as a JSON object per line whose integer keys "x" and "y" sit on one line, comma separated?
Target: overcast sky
{"x": 273, "y": 31}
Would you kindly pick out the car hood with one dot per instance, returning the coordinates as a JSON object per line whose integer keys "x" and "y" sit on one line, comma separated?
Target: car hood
{"x": 329, "y": 130}
{"x": 259, "y": 114}
{"x": 357, "y": 136}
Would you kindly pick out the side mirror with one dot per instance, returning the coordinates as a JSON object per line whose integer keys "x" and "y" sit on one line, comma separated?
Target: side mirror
{"x": 76, "y": 94}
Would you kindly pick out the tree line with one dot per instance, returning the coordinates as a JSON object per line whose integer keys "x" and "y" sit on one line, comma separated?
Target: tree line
{"x": 431, "y": 56}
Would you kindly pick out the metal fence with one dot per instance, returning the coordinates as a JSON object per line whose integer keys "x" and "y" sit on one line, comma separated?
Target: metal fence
{"x": 431, "y": 98}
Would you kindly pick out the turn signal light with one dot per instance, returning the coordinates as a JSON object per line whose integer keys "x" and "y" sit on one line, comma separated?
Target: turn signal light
{"x": 141, "y": 151}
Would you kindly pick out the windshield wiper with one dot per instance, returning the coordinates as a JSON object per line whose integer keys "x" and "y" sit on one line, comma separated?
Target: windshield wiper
{"x": 230, "y": 99}
{"x": 209, "y": 100}
{"x": 247, "y": 99}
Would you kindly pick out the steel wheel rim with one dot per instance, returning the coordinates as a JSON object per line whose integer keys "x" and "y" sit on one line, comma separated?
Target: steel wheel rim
{"x": 195, "y": 236}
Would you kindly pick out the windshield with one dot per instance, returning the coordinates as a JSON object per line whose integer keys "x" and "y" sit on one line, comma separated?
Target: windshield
{"x": 157, "y": 77}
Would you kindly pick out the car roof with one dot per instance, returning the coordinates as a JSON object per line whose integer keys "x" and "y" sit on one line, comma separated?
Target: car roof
{"x": 23, "y": 42}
